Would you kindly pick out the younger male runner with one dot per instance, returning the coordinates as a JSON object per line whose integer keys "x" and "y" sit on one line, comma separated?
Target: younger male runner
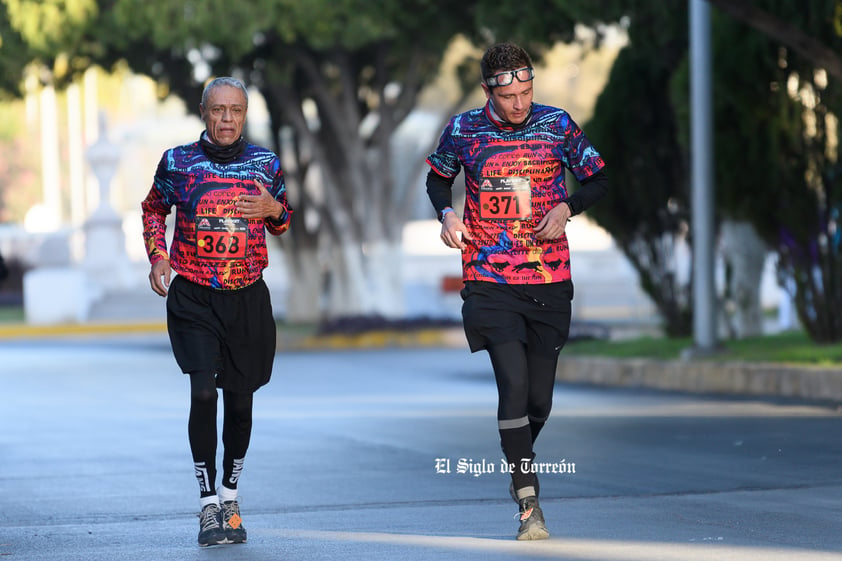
{"x": 515, "y": 257}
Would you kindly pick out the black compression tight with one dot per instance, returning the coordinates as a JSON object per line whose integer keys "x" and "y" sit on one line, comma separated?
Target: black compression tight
{"x": 525, "y": 383}
{"x": 201, "y": 430}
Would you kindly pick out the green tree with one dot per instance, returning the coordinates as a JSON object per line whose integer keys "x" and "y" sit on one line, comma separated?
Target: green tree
{"x": 776, "y": 149}
{"x": 771, "y": 20}
{"x": 15, "y": 56}
{"x": 776, "y": 105}
{"x": 799, "y": 211}
{"x": 635, "y": 127}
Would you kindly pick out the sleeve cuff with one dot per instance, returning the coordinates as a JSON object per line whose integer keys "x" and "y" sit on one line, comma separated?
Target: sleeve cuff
{"x": 280, "y": 221}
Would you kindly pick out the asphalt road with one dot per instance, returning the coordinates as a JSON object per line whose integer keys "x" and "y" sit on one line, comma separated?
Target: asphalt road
{"x": 95, "y": 466}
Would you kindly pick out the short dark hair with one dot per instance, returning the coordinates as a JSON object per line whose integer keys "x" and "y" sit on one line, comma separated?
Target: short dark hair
{"x": 502, "y": 57}
{"x": 223, "y": 81}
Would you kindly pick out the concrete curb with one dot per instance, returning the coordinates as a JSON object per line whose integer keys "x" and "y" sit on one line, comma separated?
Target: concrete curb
{"x": 376, "y": 339}
{"x": 25, "y": 331}
{"x": 370, "y": 339}
{"x": 741, "y": 378}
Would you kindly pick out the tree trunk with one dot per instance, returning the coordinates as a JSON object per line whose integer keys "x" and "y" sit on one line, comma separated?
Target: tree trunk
{"x": 306, "y": 284}
{"x": 744, "y": 253}
{"x": 385, "y": 274}
{"x": 365, "y": 283}
{"x": 346, "y": 290}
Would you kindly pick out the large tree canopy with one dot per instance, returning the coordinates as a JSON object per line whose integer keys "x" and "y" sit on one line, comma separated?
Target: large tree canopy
{"x": 773, "y": 22}
{"x": 338, "y": 76}
{"x": 777, "y": 101}
{"x": 635, "y": 128}
{"x": 776, "y": 153}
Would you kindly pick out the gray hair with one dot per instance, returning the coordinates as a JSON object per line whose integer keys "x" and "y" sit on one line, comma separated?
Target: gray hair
{"x": 223, "y": 81}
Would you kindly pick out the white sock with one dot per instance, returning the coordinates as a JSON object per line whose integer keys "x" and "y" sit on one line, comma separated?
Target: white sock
{"x": 226, "y": 494}
{"x": 211, "y": 500}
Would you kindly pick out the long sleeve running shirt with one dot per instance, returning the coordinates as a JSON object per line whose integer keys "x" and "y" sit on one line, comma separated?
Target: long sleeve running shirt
{"x": 212, "y": 244}
{"x": 514, "y": 175}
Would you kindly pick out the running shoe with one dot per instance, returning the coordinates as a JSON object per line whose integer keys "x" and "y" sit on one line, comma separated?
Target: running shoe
{"x": 232, "y": 523}
{"x": 210, "y": 526}
{"x": 532, "y": 525}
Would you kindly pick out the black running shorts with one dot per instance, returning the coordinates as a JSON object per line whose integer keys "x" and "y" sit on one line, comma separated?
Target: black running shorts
{"x": 536, "y": 314}
{"x": 228, "y": 332}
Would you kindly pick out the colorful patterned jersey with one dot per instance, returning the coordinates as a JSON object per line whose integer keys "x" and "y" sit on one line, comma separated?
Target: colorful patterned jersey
{"x": 212, "y": 244}
{"x": 513, "y": 177}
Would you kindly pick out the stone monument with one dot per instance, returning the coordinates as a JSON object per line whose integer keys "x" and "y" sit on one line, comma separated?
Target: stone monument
{"x": 58, "y": 290}
{"x": 106, "y": 261}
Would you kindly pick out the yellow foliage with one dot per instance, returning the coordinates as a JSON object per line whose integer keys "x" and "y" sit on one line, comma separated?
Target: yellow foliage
{"x": 43, "y": 23}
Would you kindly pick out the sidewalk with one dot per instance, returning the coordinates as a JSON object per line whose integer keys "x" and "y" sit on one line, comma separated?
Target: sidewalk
{"x": 811, "y": 383}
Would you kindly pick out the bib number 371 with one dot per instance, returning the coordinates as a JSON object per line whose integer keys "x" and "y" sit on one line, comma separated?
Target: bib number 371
{"x": 505, "y": 198}
{"x": 221, "y": 237}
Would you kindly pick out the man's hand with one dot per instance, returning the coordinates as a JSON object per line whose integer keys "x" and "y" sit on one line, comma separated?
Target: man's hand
{"x": 552, "y": 226}
{"x": 260, "y": 206}
{"x": 451, "y": 227}
{"x": 159, "y": 277}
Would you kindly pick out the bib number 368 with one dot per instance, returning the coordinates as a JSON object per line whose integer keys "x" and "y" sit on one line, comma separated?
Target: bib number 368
{"x": 221, "y": 237}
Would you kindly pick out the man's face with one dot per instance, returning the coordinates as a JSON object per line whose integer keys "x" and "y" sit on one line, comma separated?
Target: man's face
{"x": 224, "y": 115}
{"x": 511, "y": 102}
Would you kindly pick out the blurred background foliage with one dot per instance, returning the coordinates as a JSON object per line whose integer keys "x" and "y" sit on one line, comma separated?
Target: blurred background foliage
{"x": 340, "y": 76}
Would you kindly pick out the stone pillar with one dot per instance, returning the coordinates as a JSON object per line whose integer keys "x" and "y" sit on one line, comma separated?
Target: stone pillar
{"x": 105, "y": 260}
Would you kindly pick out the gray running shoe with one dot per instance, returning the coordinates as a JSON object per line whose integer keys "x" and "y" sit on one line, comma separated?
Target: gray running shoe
{"x": 532, "y": 525}
{"x": 232, "y": 523}
{"x": 210, "y": 526}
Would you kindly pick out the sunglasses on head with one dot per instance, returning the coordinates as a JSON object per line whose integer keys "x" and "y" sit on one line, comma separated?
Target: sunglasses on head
{"x": 524, "y": 74}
